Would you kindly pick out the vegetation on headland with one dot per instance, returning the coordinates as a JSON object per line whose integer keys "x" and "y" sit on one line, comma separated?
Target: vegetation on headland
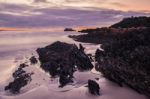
{"x": 133, "y": 22}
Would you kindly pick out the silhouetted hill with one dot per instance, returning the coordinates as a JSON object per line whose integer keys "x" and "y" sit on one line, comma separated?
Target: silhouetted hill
{"x": 133, "y": 22}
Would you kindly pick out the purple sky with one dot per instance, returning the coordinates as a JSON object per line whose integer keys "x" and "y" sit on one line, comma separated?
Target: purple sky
{"x": 63, "y": 13}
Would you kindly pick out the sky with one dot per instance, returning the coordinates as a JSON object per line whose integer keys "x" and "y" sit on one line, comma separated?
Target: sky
{"x": 73, "y": 13}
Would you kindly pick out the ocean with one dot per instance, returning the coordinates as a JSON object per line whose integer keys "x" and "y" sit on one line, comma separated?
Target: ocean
{"x": 15, "y": 45}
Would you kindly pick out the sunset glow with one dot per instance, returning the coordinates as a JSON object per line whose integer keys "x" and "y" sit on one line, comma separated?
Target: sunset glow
{"x": 64, "y": 13}
{"x": 128, "y": 5}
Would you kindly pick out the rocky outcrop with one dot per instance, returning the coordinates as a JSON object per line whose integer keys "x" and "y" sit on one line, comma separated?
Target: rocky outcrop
{"x": 93, "y": 87}
{"x": 69, "y": 29}
{"x": 108, "y": 34}
{"x": 126, "y": 60}
{"x": 33, "y": 60}
{"x": 62, "y": 59}
{"x": 21, "y": 79}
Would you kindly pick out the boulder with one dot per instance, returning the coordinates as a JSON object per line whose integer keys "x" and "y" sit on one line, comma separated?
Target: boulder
{"x": 18, "y": 83}
{"x": 93, "y": 87}
{"x": 33, "y": 60}
{"x": 66, "y": 75}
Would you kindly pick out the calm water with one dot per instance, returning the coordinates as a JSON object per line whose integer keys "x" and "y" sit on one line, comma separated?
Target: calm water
{"x": 15, "y": 45}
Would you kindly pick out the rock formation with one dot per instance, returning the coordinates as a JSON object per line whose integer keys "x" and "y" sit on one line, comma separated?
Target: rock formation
{"x": 62, "y": 59}
{"x": 21, "y": 79}
{"x": 126, "y": 60}
{"x": 93, "y": 87}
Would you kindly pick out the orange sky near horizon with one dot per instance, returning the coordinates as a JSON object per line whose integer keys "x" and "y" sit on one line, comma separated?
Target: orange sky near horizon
{"x": 46, "y": 14}
{"x": 124, "y": 5}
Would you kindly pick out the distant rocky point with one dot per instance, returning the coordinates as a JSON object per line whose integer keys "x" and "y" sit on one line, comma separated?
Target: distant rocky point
{"x": 69, "y": 29}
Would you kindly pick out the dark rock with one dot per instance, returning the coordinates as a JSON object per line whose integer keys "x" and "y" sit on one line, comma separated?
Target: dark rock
{"x": 33, "y": 60}
{"x": 126, "y": 60}
{"x": 69, "y": 29}
{"x": 126, "y": 55}
{"x": 19, "y": 72}
{"x": 23, "y": 65}
{"x": 93, "y": 87}
{"x": 108, "y": 34}
{"x": 21, "y": 79}
{"x": 66, "y": 75}
{"x": 81, "y": 47}
{"x": 62, "y": 59}
{"x": 18, "y": 83}
{"x": 91, "y": 57}
{"x": 97, "y": 78}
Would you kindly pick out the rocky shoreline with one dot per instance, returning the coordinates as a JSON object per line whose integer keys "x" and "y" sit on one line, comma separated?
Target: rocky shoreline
{"x": 126, "y": 55}
{"x": 125, "y": 59}
{"x": 60, "y": 60}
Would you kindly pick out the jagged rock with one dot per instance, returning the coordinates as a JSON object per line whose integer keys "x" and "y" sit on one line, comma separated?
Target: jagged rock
{"x": 127, "y": 60}
{"x": 66, "y": 75}
{"x": 62, "y": 59}
{"x": 91, "y": 57}
{"x": 126, "y": 55}
{"x": 59, "y": 54}
{"x": 18, "y": 83}
{"x": 93, "y": 87}
{"x": 81, "y": 47}
{"x": 21, "y": 79}
{"x": 33, "y": 60}
{"x": 23, "y": 65}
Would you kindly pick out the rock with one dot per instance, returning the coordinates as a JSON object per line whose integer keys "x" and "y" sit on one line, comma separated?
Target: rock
{"x": 62, "y": 59}
{"x": 81, "y": 47}
{"x": 23, "y": 65}
{"x": 66, "y": 75}
{"x": 91, "y": 57}
{"x": 126, "y": 60}
{"x": 21, "y": 79}
{"x": 97, "y": 78}
{"x": 93, "y": 87}
{"x": 33, "y": 60}
{"x": 18, "y": 83}
{"x": 69, "y": 29}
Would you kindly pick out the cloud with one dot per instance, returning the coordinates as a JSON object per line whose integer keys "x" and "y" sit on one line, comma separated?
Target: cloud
{"x": 40, "y": 1}
{"x": 28, "y": 16}
{"x": 117, "y": 4}
{"x": 12, "y": 7}
{"x": 17, "y": 10}
{"x": 65, "y": 13}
